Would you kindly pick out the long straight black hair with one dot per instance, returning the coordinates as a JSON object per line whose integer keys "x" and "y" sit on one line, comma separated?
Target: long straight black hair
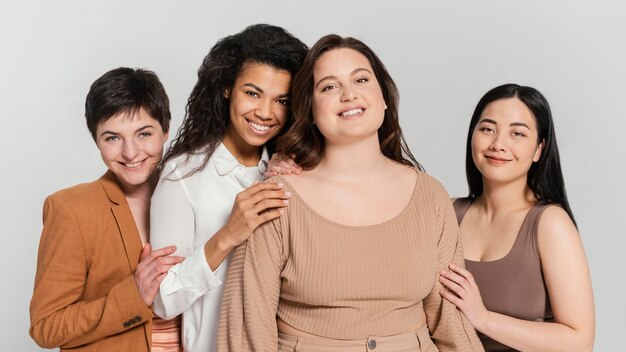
{"x": 545, "y": 178}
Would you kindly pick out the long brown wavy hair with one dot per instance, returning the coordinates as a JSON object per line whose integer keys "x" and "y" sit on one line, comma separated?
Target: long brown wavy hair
{"x": 304, "y": 140}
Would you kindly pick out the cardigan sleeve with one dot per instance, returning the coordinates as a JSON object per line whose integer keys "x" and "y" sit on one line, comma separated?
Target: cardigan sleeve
{"x": 250, "y": 303}
{"x": 449, "y": 329}
{"x": 59, "y": 316}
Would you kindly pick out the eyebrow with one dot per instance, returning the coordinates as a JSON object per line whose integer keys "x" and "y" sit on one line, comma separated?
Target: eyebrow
{"x": 136, "y": 131}
{"x": 335, "y": 77}
{"x": 252, "y": 85}
{"x": 521, "y": 124}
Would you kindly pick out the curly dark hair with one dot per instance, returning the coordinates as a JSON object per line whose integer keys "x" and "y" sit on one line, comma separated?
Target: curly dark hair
{"x": 207, "y": 111}
{"x": 306, "y": 142}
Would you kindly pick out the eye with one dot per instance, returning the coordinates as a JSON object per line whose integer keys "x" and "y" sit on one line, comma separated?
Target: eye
{"x": 284, "y": 102}
{"x": 328, "y": 87}
{"x": 111, "y": 139}
{"x": 519, "y": 134}
{"x": 253, "y": 94}
{"x": 487, "y": 130}
{"x": 362, "y": 80}
{"x": 145, "y": 134}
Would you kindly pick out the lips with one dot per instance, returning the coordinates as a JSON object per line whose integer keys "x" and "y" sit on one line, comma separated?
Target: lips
{"x": 133, "y": 165}
{"x": 258, "y": 127}
{"x": 352, "y": 112}
{"x": 496, "y": 159}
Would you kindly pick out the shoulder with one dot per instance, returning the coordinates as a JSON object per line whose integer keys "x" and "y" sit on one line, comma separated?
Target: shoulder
{"x": 555, "y": 228}
{"x": 78, "y": 194}
{"x": 177, "y": 168}
{"x": 431, "y": 186}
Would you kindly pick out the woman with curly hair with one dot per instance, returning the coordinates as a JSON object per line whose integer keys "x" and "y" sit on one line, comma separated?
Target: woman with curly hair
{"x": 239, "y": 104}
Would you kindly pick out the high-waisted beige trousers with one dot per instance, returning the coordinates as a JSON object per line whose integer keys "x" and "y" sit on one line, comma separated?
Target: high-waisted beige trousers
{"x": 418, "y": 341}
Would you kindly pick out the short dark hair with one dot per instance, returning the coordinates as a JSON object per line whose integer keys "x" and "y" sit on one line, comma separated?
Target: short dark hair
{"x": 207, "y": 114}
{"x": 306, "y": 142}
{"x": 126, "y": 90}
{"x": 545, "y": 177}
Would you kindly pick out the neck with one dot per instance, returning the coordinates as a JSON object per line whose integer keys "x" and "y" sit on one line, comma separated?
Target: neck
{"x": 498, "y": 198}
{"x": 141, "y": 192}
{"x": 354, "y": 160}
{"x": 246, "y": 154}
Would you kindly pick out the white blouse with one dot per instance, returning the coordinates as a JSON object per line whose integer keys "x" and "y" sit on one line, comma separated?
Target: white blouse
{"x": 186, "y": 212}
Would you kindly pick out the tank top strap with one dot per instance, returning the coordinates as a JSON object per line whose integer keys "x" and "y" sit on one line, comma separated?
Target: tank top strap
{"x": 461, "y": 205}
{"x": 530, "y": 225}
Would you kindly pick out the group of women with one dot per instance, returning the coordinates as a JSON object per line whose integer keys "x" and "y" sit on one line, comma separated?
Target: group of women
{"x": 350, "y": 246}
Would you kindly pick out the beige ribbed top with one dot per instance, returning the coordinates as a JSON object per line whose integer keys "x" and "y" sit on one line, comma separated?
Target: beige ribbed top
{"x": 346, "y": 282}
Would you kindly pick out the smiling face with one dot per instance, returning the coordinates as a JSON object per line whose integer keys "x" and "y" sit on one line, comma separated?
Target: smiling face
{"x": 504, "y": 142}
{"x": 348, "y": 103}
{"x": 259, "y": 104}
{"x": 131, "y": 147}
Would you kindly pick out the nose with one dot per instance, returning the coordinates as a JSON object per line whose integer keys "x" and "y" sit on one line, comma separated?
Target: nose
{"x": 129, "y": 150}
{"x": 264, "y": 109}
{"x": 498, "y": 143}
{"x": 348, "y": 94}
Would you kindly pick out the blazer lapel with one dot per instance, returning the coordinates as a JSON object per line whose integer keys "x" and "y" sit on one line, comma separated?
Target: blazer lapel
{"x": 124, "y": 218}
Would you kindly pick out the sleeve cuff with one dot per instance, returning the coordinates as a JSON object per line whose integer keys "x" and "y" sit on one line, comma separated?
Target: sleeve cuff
{"x": 193, "y": 274}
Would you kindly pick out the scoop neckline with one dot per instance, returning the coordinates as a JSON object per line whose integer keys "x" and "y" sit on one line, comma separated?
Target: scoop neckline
{"x": 357, "y": 227}
{"x": 517, "y": 238}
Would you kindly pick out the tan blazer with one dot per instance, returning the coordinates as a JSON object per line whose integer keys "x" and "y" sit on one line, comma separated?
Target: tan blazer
{"x": 85, "y": 296}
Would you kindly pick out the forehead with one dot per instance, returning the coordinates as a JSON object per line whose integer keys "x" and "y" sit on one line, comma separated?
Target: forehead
{"x": 337, "y": 62}
{"x": 128, "y": 120}
{"x": 264, "y": 76}
{"x": 509, "y": 110}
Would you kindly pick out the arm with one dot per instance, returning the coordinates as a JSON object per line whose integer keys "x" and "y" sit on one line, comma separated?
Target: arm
{"x": 59, "y": 315}
{"x": 449, "y": 328}
{"x": 569, "y": 287}
{"x": 173, "y": 223}
{"x": 248, "y": 321}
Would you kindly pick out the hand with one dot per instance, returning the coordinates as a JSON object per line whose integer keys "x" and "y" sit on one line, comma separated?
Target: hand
{"x": 260, "y": 203}
{"x": 281, "y": 164}
{"x": 461, "y": 290}
{"x": 152, "y": 268}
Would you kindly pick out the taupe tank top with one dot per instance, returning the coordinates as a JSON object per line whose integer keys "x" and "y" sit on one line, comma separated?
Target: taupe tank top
{"x": 512, "y": 285}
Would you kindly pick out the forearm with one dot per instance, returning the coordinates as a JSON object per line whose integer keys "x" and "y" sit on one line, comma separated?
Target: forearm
{"x": 527, "y": 335}
{"x": 184, "y": 284}
{"x": 84, "y": 322}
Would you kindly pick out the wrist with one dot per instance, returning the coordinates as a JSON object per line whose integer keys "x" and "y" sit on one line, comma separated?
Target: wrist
{"x": 217, "y": 248}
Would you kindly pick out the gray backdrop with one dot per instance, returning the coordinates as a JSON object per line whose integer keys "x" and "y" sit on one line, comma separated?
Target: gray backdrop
{"x": 443, "y": 55}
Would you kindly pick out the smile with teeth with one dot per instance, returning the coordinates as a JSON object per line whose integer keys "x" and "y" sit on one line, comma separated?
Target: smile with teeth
{"x": 133, "y": 165}
{"x": 351, "y": 112}
{"x": 258, "y": 127}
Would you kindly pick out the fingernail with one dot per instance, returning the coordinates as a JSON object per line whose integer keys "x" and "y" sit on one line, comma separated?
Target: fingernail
{"x": 287, "y": 194}
{"x": 286, "y": 201}
{"x": 280, "y": 184}
{"x": 281, "y": 211}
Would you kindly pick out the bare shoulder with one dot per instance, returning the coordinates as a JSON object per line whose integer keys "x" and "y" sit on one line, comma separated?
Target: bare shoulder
{"x": 556, "y": 230}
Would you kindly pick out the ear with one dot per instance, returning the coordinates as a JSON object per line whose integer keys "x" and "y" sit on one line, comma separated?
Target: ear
{"x": 539, "y": 150}
{"x": 226, "y": 93}
{"x": 385, "y": 105}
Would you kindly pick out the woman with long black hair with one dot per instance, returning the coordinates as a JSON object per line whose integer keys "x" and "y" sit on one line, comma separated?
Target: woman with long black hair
{"x": 526, "y": 285}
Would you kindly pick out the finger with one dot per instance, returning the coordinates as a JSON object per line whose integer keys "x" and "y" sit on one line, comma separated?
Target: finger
{"x": 265, "y": 195}
{"x": 145, "y": 251}
{"x": 161, "y": 252}
{"x": 451, "y": 275}
{"x": 452, "y": 298}
{"x": 254, "y": 189}
{"x": 267, "y": 205}
{"x": 463, "y": 272}
{"x": 268, "y": 174}
{"x": 451, "y": 285}
{"x": 266, "y": 216}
